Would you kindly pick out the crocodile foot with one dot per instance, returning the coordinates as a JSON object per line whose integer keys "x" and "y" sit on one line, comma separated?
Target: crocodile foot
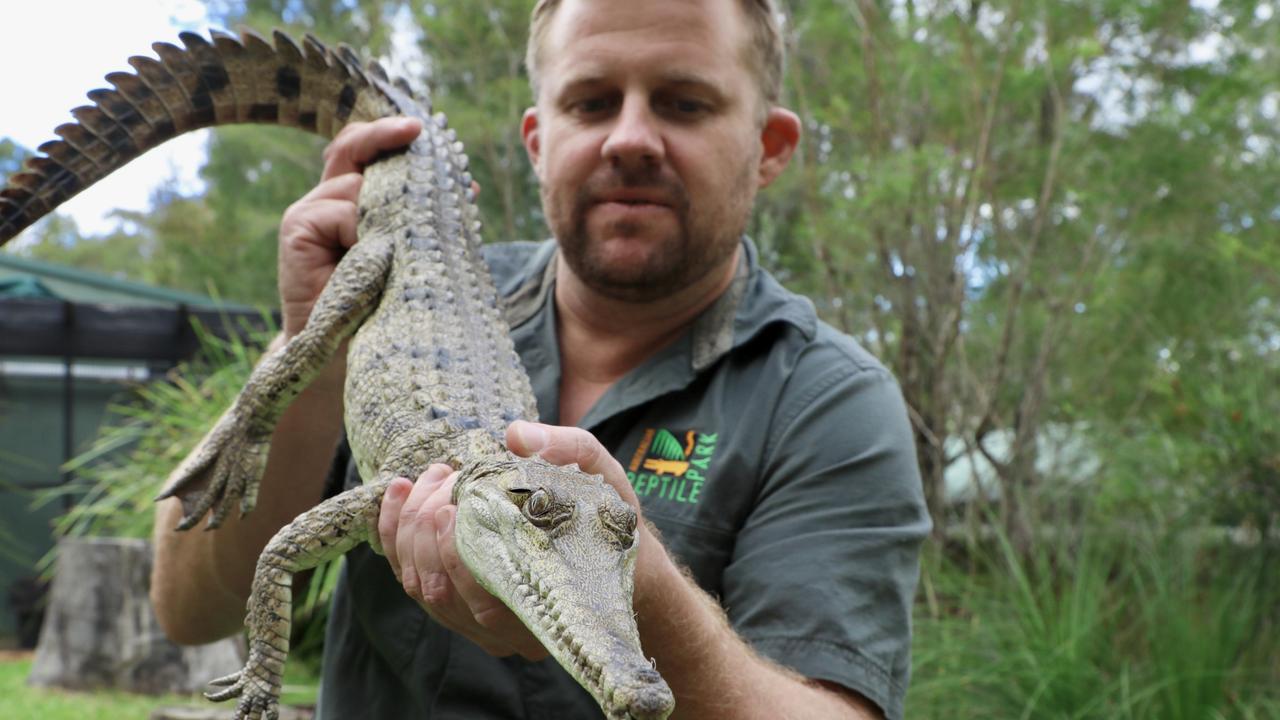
{"x": 259, "y": 698}
{"x": 224, "y": 468}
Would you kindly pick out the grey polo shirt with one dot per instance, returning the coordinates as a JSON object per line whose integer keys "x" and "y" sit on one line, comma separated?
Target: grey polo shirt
{"x": 775, "y": 457}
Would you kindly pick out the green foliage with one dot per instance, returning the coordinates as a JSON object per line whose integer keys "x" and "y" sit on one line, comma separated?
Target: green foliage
{"x": 1100, "y": 624}
{"x": 477, "y": 79}
{"x": 118, "y": 477}
{"x": 1023, "y": 207}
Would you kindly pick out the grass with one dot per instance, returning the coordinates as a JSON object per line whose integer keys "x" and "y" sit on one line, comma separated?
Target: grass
{"x": 18, "y": 700}
{"x": 1104, "y": 625}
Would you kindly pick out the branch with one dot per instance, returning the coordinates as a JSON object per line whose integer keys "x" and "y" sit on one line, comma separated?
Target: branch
{"x": 967, "y": 196}
{"x": 827, "y": 268}
{"x": 1019, "y": 282}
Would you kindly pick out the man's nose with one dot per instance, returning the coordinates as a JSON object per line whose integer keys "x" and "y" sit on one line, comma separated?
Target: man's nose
{"x": 635, "y": 138}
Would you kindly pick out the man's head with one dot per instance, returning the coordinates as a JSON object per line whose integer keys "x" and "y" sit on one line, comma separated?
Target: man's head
{"x": 764, "y": 52}
{"x": 656, "y": 123}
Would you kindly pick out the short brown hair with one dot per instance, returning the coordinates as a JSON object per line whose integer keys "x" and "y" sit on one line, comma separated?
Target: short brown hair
{"x": 766, "y": 54}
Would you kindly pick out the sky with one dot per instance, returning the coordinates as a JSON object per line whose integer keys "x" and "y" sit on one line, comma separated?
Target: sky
{"x": 55, "y": 51}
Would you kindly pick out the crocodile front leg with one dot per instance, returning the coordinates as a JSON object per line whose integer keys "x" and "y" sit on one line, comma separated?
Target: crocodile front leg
{"x": 322, "y": 533}
{"x": 229, "y": 461}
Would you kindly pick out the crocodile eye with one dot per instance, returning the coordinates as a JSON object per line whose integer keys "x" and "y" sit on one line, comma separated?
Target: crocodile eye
{"x": 519, "y": 495}
{"x": 622, "y": 523}
{"x": 538, "y": 508}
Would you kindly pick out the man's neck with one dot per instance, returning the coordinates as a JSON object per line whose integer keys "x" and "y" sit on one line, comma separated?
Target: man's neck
{"x": 602, "y": 338}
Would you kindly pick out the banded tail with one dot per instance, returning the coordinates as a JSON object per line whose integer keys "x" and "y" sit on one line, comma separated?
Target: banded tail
{"x": 220, "y": 81}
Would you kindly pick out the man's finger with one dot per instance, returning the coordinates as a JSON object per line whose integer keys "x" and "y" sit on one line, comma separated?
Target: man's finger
{"x": 358, "y": 143}
{"x": 437, "y": 592}
{"x": 563, "y": 445}
{"x": 560, "y": 446}
{"x": 411, "y": 522}
{"x": 389, "y": 518}
{"x": 488, "y": 611}
{"x": 339, "y": 187}
{"x": 316, "y": 223}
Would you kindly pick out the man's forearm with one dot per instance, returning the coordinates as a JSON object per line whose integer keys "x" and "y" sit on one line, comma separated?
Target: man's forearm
{"x": 712, "y": 672}
{"x": 201, "y": 579}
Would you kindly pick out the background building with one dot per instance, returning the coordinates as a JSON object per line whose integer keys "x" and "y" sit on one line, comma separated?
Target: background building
{"x": 70, "y": 342}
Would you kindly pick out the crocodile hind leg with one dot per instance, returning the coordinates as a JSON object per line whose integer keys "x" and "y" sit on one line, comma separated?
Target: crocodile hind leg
{"x": 322, "y": 533}
{"x": 229, "y": 461}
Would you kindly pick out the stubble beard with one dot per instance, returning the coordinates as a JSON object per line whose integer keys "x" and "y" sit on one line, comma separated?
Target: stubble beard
{"x": 700, "y": 242}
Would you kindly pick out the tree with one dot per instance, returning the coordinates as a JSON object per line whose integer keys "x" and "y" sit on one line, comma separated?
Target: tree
{"x": 972, "y": 197}
{"x": 477, "y": 78}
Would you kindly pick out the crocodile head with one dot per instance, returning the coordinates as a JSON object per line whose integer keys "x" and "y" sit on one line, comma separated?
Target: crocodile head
{"x": 558, "y": 547}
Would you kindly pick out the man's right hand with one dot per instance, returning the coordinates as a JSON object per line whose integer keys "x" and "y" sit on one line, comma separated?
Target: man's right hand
{"x": 317, "y": 229}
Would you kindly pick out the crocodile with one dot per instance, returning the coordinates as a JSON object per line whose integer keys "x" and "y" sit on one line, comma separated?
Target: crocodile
{"x": 432, "y": 375}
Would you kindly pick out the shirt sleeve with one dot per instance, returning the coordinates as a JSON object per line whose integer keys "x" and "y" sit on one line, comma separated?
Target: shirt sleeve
{"x": 825, "y": 566}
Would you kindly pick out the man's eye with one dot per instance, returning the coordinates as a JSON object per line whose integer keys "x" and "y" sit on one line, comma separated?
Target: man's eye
{"x": 591, "y": 106}
{"x": 686, "y": 107}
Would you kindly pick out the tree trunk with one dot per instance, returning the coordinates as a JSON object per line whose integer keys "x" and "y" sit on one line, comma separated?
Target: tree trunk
{"x": 100, "y": 631}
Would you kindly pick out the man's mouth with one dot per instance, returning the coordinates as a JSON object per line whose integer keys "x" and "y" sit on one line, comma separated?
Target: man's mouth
{"x": 637, "y": 197}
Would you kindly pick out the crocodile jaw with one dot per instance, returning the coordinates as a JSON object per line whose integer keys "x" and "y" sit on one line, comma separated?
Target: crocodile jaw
{"x": 570, "y": 580}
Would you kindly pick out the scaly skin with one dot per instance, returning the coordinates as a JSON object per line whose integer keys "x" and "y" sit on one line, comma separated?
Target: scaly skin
{"x": 432, "y": 373}
{"x": 557, "y": 550}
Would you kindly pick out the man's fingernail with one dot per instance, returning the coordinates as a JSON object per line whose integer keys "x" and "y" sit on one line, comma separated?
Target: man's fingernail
{"x": 532, "y": 436}
{"x": 444, "y": 521}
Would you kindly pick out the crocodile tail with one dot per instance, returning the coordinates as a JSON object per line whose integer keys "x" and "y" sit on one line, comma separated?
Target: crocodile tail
{"x": 217, "y": 81}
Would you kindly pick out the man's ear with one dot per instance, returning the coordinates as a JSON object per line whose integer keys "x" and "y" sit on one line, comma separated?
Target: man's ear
{"x": 532, "y": 143}
{"x": 778, "y": 139}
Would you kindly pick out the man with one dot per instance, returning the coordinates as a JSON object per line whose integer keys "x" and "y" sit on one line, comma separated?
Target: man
{"x": 772, "y": 454}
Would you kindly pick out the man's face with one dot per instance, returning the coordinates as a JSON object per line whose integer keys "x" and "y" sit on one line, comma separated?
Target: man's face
{"x": 646, "y": 140}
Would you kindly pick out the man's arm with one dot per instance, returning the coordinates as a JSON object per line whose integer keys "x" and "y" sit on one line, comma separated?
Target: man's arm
{"x": 711, "y": 670}
{"x": 201, "y": 580}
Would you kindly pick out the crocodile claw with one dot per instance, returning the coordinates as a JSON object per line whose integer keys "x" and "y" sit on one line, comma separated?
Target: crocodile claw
{"x": 224, "y": 468}
{"x": 259, "y": 700}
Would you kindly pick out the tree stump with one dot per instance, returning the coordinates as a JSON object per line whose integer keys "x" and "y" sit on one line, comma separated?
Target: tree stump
{"x": 100, "y": 631}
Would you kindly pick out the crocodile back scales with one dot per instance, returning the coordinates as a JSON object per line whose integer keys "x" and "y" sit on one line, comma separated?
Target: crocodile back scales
{"x": 434, "y": 360}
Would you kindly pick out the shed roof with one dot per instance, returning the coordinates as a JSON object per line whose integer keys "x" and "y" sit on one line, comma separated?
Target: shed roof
{"x": 24, "y": 277}
{"x": 49, "y": 310}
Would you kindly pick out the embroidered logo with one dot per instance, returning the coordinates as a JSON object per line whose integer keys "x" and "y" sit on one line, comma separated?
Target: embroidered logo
{"x": 671, "y": 465}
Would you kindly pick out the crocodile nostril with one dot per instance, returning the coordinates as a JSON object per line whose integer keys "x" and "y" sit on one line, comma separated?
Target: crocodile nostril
{"x": 648, "y": 676}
